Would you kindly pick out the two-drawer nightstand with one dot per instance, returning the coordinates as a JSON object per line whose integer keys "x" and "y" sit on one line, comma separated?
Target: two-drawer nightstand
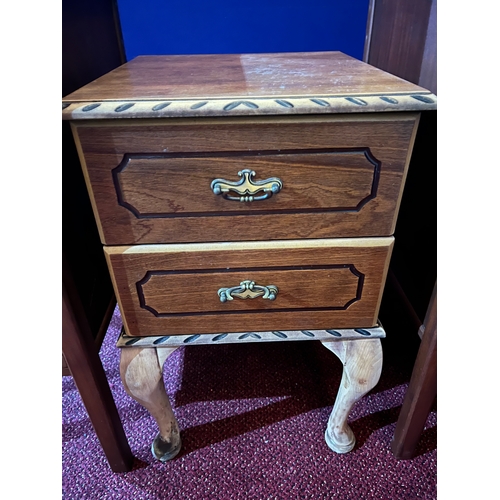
{"x": 247, "y": 198}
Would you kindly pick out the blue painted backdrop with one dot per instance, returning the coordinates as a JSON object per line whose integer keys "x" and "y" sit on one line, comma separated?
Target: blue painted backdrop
{"x": 152, "y": 27}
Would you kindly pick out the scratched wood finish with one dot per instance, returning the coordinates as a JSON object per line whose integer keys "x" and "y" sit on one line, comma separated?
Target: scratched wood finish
{"x": 192, "y": 274}
{"x": 245, "y": 75}
{"x": 173, "y": 200}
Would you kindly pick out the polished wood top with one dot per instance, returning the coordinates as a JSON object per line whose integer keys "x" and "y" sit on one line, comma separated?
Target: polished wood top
{"x": 241, "y": 76}
{"x": 244, "y": 85}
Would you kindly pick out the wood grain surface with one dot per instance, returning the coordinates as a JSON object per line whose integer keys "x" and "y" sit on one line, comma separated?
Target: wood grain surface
{"x": 398, "y": 38}
{"x": 362, "y": 362}
{"x": 166, "y": 293}
{"x": 235, "y": 75}
{"x": 155, "y": 185}
{"x": 172, "y": 289}
{"x": 150, "y": 181}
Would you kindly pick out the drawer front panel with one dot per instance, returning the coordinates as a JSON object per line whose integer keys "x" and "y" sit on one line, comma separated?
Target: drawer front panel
{"x": 214, "y": 288}
{"x": 158, "y": 182}
{"x": 168, "y": 293}
{"x": 153, "y": 186}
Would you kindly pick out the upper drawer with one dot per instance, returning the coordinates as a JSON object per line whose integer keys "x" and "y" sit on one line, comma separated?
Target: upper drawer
{"x": 244, "y": 179}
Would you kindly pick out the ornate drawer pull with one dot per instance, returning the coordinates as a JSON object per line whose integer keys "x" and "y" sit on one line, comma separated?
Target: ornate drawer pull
{"x": 248, "y": 290}
{"x": 246, "y": 188}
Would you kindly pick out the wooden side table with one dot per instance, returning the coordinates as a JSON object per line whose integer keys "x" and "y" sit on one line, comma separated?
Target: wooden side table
{"x": 247, "y": 198}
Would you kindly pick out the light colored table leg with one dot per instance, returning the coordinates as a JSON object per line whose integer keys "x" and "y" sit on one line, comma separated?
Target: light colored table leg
{"x": 141, "y": 370}
{"x": 362, "y": 360}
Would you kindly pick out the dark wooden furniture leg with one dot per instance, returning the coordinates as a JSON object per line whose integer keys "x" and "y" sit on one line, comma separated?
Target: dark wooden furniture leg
{"x": 90, "y": 379}
{"x": 421, "y": 390}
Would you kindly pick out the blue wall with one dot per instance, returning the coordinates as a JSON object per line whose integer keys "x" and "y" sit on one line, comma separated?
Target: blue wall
{"x": 152, "y": 27}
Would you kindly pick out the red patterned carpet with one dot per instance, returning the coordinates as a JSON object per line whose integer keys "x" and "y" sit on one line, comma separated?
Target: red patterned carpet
{"x": 252, "y": 420}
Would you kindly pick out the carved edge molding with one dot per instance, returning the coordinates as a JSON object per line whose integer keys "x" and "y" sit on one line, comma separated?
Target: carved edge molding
{"x": 124, "y": 340}
{"x": 163, "y": 108}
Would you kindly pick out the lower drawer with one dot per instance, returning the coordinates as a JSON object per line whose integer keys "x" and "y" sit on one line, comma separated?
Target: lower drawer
{"x": 256, "y": 286}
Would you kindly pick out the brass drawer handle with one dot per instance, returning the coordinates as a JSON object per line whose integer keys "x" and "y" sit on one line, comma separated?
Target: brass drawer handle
{"x": 248, "y": 290}
{"x": 246, "y": 188}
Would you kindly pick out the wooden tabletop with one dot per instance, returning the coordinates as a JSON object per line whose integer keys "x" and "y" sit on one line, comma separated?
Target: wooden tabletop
{"x": 252, "y": 80}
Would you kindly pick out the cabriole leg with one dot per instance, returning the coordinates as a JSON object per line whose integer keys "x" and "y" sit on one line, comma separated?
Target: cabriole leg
{"x": 141, "y": 370}
{"x": 362, "y": 360}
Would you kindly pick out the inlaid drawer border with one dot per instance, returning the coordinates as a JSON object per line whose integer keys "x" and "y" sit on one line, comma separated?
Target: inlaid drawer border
{"x": 351, "y": 267}
{"x": 375, "y": 332}
{"x": 122, "y": 166}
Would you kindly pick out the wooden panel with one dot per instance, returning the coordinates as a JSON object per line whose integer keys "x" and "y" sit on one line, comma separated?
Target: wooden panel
{"x": 91, "y": 42}
{"x": 234, "y": 75}
{"x": 351, "y": 188}
{"x": 398, "y": 37}
{"x": 166, "y": 293}
{"x": 158, "y": 185}
{"x": 421, "y": 391}
{"x": 172, "y": 289}
{"x": 428, "y": 70}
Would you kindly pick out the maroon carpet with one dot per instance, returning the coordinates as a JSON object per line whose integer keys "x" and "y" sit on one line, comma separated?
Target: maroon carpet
{"x": 252, "y": 418}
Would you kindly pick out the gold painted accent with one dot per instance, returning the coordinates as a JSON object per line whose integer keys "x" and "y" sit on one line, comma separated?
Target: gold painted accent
{"x": 248, "y": 290}
{"x": 246, "y": 188}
